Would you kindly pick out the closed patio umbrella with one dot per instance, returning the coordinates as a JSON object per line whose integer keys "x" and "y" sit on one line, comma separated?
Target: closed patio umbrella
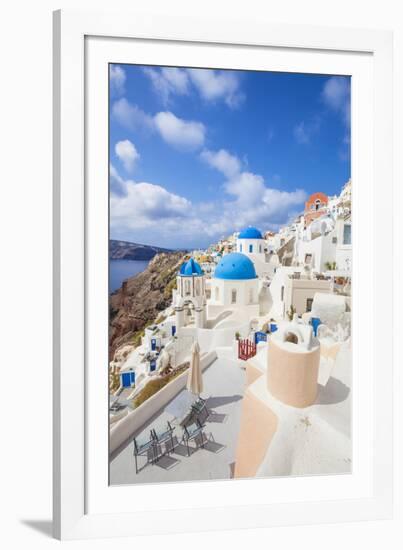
{"x": 195, "y": 381}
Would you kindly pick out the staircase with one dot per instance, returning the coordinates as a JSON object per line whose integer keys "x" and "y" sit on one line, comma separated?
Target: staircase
{"x": 286, "y": 252}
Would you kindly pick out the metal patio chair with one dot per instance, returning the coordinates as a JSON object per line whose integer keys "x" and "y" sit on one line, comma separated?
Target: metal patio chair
{"x": 164, "y": 437}
{"x": 145, "y": 449}
{"x": 191, "y": 433}
{"x": 115, "y": 406}
{"x": 201, "y": 411}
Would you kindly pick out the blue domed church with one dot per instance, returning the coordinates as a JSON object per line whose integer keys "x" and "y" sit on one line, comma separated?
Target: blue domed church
{"x": 235, "y": 284}
{"x": 250, "y": 241}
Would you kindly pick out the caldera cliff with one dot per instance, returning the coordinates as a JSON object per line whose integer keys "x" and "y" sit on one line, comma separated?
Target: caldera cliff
{"x": 141, "y": 299}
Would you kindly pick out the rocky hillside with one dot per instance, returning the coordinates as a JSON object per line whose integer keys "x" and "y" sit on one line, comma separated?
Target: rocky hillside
{"x": 140, "y": 300}
{"x": 123, "y": 250}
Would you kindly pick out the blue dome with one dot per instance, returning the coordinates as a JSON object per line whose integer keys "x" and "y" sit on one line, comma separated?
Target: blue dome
{"x": 250, "y": 233}
{"x": 235, "y": 266}
{"x": 190, "y": 268}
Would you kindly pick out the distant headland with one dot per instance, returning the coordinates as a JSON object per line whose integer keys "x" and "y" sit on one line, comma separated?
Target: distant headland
{"x": 124, "y": 250}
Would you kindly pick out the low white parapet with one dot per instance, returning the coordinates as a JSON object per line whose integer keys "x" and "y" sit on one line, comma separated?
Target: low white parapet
{"x": 129, "y": 426}
{"x": 113, "y": 418}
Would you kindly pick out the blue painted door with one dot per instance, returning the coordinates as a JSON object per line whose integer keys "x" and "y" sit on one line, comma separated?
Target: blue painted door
{"x": 251, "y": 248}
{"x": 260, "y": 337}
{"x": 273, "y": 327}
{"x": 153, "y": 365}
{"x": 153, "y": 344}
{"x": 173, "y": 330}
{"x": 315, "y": 324}
{"x": 126, "y": 379}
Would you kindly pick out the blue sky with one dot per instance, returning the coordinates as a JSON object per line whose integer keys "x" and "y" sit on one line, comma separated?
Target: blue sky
{"x": 196, "y": 154}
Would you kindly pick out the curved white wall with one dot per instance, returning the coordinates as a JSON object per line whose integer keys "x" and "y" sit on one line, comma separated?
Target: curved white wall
{"x": 224, "y": 337}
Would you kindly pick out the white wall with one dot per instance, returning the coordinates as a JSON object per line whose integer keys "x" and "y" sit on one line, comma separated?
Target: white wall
{"x": 225, "y": 288}
{"x": 322, "y": 249}
{"x": 222, "y": 337}
{"x": 258, "y": 246}
{"x": 297, "y": 292}
{"x": 279, "y": 280}
{"x": 344, "y": 252}
{"x": 262, "y": 267}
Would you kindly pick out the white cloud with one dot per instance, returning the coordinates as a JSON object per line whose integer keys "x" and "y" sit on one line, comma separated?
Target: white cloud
{"x": 117, "y": 184}
{"x": 301, "y": 134}
{"x": 117, "y": 78}
{"x": 150, "y": 214}
{"x": 127, "y": 153}
{"x": 182, "y": 134}
{"x": 270, "y": 135}
{"x": 145, "y": 212}
{"x": 253, "y": 202}
{"x": 214, "y": 85}
{"x": 223, "y": 161}
{"x": 130, "y": 116}
{"x": 186, "y": 135}
{"x": 336, "y": 95}
{"x": 168, "y": 81}
{"x": 248, "y": 188}
{"x": 257, "y": 204}
{"x": 303, "y": 131}
{"x": 147, "y": 205}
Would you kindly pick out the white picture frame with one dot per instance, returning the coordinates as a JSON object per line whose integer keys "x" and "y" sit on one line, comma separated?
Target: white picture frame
{"x": 83, "y": 507}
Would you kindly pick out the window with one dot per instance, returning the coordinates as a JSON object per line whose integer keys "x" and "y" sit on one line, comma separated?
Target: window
{"x": 187, "y": 288}
{"x": 334, "y": 240}
{"x": 291, "y": 337}
{"x": 233, "y": 296}
{"x": 240, "y": 247}
{"x": 197, "y": 288}
{"x": 251, "y": 248}
{"x": 347, "y": 234}
{"x": 308, "y": 258}
{"x": 260, "y": 248}
{"x": 282, "y": 294}
{"x": 217, "y": 294}
{"x": 309, "y": 304}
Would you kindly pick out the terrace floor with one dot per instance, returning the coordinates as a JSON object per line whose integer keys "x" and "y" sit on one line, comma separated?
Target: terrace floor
{"x": 224, "y": 383}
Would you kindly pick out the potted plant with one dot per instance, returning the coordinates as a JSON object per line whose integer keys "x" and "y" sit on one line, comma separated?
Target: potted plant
{"x": 291, "y": 312}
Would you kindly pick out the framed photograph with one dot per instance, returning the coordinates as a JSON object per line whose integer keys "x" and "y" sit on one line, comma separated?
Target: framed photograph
{"x": 222, "y": 325}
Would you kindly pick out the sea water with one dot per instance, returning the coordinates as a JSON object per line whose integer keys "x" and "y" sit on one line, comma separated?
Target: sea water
{"x": 119, "y": 270}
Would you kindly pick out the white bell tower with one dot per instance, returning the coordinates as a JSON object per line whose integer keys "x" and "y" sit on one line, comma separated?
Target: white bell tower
{"x": 191, "y": 294}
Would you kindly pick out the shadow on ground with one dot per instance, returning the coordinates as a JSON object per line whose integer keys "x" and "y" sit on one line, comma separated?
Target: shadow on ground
{"x": 334, "y": 392}
{"x": 213, "y": 402}
{"x": 217, "y": 417}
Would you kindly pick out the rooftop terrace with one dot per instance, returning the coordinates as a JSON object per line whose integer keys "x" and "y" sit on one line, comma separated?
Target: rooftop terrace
{"x": 224, "y": 383}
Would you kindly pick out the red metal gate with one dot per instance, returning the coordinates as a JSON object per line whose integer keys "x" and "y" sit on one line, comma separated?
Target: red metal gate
{"x": 246, "y": 349}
